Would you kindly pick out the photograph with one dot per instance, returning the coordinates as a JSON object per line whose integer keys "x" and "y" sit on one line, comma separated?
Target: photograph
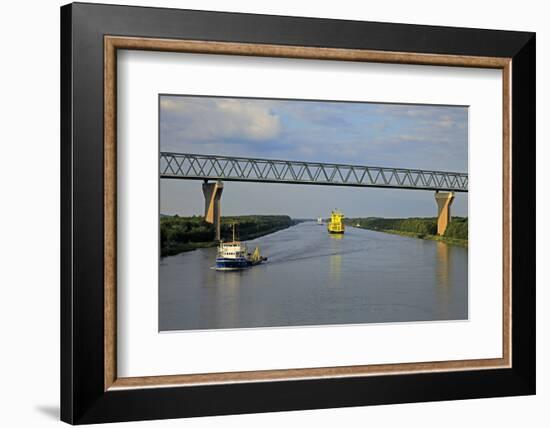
{"x": 291, "y": 212}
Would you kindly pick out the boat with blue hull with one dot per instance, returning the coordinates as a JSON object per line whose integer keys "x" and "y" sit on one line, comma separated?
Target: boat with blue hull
{"x": 234, "y": 255}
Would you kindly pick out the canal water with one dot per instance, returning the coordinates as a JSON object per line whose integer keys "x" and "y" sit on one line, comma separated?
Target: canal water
{"x": 313, "y": 278}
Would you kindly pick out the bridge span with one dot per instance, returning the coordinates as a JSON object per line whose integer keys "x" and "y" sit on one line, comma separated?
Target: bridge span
{"x": 230, "y": 168}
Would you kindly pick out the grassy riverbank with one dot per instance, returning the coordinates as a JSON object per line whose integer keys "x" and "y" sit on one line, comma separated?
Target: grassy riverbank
{"x": 417, "y": 227}
{"x": 179, "y": 234}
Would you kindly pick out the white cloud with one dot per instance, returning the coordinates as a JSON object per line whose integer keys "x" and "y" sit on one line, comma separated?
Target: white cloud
{"x": 170, "y": 105}
{"x": 202, "y": 119}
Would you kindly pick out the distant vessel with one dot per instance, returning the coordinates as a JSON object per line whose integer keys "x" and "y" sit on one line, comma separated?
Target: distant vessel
{"x": 320, "y": 221}
{"x": 234, "y": 255}
{"x": 336, "y": 224}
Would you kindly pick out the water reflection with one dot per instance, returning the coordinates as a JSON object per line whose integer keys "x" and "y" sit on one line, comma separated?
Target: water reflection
{"x": 443, "y": 283}
{"x": 335, "y": 269}
{"x": 227, "y": 309}
{"x": 335, "y": 260}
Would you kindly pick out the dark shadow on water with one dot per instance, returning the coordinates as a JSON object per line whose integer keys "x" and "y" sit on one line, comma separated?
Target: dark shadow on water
{"x": 50, "y": 411}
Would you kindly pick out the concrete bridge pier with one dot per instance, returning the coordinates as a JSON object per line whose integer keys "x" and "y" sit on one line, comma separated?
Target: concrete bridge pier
{"x": 444, "y": 201}
{"x": 212, "y": 205}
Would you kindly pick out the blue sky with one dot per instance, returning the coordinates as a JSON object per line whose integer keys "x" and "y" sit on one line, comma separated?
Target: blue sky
{"x": 394, "y": 135}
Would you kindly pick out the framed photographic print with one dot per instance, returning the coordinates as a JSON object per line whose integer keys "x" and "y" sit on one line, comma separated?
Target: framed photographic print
{"x": 265, "y": 213}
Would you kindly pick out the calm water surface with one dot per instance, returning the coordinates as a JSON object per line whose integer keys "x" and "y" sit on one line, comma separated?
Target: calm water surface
{"x": 313, "y": 278}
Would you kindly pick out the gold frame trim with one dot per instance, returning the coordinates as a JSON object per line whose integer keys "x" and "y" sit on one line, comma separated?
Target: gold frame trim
{"x": 113, "y": 43}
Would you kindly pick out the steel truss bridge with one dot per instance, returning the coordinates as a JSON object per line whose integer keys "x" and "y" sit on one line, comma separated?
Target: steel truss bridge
{"x": 229, "y": 168}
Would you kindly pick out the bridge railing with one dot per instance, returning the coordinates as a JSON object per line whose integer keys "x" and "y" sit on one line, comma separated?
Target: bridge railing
{"x": 229, "y": 168}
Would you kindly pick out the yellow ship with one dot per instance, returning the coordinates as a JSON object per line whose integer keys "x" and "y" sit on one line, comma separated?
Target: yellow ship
{"x": 336, "y": 224}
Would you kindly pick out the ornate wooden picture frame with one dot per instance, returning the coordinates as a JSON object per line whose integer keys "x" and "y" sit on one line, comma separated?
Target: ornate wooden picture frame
{"x": 91, "y": 390}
